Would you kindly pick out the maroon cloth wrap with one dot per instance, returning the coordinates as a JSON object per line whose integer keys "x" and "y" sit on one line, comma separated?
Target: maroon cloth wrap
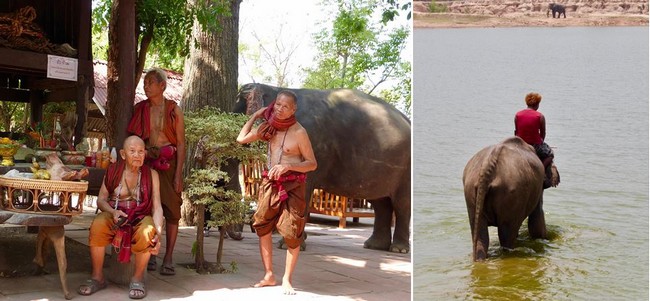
{"x": 140, "y": 126}
{"x": 122, "y": 240}
{"x": 291, "y": 176}
{"x": 268, "y": 128}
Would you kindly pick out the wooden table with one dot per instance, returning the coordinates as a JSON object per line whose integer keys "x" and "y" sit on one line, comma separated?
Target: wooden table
{"x": 94, "y": 178}
{"x": 49, "y": 226}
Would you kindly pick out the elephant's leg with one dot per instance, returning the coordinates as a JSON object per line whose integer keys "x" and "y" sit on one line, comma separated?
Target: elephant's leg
{"x": 401, "y": 205}
{"x": 537, "y": 223}
{"x": 507, "y": 235}
{"x": 482, "y": 242}
{"x": 381, "y": 236}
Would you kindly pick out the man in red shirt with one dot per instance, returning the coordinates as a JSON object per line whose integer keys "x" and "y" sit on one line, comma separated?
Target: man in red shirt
{"x": 530, "y": 125}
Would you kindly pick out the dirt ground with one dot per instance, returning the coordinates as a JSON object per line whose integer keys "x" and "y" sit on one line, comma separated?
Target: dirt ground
{"x": 450, "y": 20}
{"x": 17, "y": 250}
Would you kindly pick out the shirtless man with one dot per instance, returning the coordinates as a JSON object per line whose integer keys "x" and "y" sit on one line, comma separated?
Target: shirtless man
{"x": 159, "y": 122}
{"x": 281, "y": 203}
{"x": 130, "y": 190}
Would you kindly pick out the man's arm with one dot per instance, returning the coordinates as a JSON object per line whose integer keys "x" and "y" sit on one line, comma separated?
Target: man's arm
{"x": 542, "y": 127}
{"x": 156, "y": 211}
{"x": 248, "y": 134}
{"x": 180, "y": 149}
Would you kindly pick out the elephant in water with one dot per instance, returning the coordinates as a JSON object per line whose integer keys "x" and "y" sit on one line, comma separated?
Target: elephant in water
{"x": 556, "y": 8}
{"x": 363, "y": 149}
{"x": 503, "y": 186}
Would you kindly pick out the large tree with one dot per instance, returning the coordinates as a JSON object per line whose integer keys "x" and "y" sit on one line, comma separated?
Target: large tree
{"x": 210, "y": 80}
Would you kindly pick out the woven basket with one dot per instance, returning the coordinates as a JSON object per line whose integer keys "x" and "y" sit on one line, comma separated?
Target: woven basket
{"x": 42, "y": 196}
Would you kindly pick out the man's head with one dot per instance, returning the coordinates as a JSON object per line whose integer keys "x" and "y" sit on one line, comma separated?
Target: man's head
{"x": 286, "y": 104}
{"x": 155, "y": 82}
{"x": 133, "y": 151}
{"x": 533, "y": 100}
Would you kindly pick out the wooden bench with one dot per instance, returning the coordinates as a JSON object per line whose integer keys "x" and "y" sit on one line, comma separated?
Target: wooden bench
{"x": 322, "y": 202}
{"x": 49, "y": 226}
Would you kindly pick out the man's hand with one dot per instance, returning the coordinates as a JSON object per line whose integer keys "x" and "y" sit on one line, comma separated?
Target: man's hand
{"x": 259, "y": 113}
{"x": 117, "y": 214}
{"x": 155, "y": 245}
{"x": 276, "y": 171}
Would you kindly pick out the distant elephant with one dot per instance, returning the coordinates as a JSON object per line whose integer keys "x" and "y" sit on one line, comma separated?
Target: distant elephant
{"x": 556, "y": 8}
{"x": 363, "y": 149}
{"x": 503, "y": 186}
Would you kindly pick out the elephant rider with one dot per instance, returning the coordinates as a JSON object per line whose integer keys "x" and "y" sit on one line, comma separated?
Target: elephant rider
{"x": 281, "y": 204}
{"x": 530, "y": 125}
{"x": 131, "y": 218}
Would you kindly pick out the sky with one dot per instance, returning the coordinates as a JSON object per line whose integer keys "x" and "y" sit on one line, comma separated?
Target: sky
{"x": 292, "y": 22}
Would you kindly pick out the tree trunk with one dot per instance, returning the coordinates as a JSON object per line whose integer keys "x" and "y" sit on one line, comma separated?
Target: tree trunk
{"x": 210, "y": 78}
{"x": 199, "y": 258}
{"x": 120, "y": 67}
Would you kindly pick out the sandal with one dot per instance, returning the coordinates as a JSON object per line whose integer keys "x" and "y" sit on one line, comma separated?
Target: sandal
{"x": 151, "y": 266}
{"x": 167, "y": 269}
{"x": 137, "y": 286}
{"x": 93, "y": 285}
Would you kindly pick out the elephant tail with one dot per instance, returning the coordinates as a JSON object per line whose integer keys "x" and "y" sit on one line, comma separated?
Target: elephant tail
{"x": 486, "y": 175}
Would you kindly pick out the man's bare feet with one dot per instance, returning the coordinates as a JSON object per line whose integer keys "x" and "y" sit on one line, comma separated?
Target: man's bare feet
{"x": 287, "y": 288}
{"x": 267, "y": 281}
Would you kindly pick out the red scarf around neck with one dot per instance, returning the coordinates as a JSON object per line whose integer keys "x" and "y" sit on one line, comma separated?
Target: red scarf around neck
{"x": 268, "y": 128}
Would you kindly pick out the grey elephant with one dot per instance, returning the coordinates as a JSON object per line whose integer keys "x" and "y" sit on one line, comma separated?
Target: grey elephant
{"x": 363, "y": 148}
{"x": 503, "y": 186}
{"x": 556, "y": 8}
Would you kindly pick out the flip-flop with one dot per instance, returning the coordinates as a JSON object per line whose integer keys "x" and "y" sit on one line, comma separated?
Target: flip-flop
{"x": 151, "y": 266}
{"x": 137, "y": 286}
{"x": 167, "y": 269}
{"x": 93, "y": 285}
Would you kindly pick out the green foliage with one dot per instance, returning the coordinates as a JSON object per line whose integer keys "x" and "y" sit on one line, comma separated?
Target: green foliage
{"x": 359, "y": 51}
{"x": 394, "y": 6}
{"x": 168, "y": 21}
{"x": 437, "y": 8}
{"x": 215, "y": 135}
{"x": 400, "y": 94}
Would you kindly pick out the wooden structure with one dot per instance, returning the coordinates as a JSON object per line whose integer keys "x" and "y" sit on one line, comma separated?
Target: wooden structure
{"x": 42, "y": 196}
{"x": 322, "y": 202}
{"x": 49, "y": 227}
{"x": 32, "y": 30}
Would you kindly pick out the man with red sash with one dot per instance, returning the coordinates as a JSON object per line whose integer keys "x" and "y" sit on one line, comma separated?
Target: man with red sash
{"x": 530, "y": 125}
{"x": 159, "y": 122}
{"x": 131, "y": 218}
{"x": 281, "y": 203}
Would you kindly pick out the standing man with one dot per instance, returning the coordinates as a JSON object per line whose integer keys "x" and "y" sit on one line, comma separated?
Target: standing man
{"x": 159, "y": 122}
{"x": 530, "y": 125}
{"x": 281, "y": 203}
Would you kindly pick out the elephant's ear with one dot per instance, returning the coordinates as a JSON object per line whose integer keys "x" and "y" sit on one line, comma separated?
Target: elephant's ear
{"x": 254, "y": 99}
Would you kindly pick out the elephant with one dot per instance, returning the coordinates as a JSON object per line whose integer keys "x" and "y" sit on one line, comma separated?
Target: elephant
{"x": 503, "y": 186}
{"x": 556, "y": 8}
{"x": 363, "y": 149}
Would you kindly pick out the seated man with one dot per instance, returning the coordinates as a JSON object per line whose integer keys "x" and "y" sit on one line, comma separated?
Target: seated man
{"x": 530, "y": 125}
{"x": 131, "y": 218}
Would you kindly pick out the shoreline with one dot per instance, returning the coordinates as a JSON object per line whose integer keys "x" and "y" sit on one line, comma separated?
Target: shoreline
{"x": 457, "y": 20}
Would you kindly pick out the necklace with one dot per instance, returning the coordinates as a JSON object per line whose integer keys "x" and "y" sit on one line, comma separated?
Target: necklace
{"x": 268, "y": 151}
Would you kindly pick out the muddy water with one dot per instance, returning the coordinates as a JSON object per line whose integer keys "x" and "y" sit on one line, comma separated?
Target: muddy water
{"x": 468, "y": 83}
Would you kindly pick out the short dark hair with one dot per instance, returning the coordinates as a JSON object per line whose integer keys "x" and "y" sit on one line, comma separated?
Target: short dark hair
{"x": 289, "y": 94}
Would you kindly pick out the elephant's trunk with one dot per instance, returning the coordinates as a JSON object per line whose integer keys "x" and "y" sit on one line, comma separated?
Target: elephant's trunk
{"x": 486, "y": 176}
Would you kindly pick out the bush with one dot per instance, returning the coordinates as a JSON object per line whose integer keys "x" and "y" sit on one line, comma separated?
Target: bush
{"x": 437, "y": 8}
